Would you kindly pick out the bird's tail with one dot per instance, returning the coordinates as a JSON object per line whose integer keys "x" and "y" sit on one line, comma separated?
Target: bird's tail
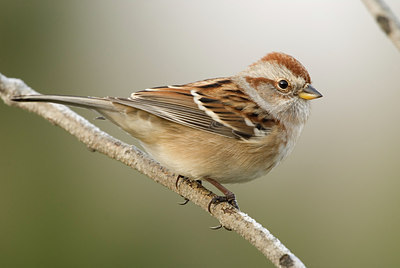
{"x": 84, "y": 102}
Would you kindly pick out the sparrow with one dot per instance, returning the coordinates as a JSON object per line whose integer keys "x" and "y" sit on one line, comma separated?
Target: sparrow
{"x": 222, "y": 130}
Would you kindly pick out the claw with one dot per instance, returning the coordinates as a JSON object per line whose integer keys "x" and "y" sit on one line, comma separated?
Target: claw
{"x": 226, "y": 228}
{"x": 216, "y": 227}
{"x": 184, "y": 202}
{"x": 176, "y": 185}
{"x": 219, "y": 227}
{"x": 178, "y": 178}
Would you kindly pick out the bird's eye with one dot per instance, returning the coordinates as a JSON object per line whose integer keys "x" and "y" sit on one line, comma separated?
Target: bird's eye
{"x": 283, "y": 84}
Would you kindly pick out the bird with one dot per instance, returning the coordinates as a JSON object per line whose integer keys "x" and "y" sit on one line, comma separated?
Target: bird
{"x": 222, "y": 130}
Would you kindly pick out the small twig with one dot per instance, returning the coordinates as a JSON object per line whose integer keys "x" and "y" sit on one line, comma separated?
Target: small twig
{"x": 100, "y": 141}
{"x": 385, "y": 19}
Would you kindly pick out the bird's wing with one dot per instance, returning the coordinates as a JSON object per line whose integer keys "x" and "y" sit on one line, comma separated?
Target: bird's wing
{"x": 215, "y": 105}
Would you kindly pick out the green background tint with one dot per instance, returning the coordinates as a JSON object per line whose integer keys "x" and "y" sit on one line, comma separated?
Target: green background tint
{"x": 334, "y": 202}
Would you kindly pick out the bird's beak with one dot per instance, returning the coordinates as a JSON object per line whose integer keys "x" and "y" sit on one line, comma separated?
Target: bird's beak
{"x": 309, "y": 93}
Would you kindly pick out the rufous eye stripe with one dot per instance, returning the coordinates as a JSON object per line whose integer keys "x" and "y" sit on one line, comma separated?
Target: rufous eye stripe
{"x": 256, "y": 81}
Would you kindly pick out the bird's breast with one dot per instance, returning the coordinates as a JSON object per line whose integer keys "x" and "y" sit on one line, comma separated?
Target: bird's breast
{"x": 198, "y": 154}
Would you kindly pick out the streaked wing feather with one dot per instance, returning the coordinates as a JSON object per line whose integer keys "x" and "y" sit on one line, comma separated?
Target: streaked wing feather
{"x": 188, "y": 116}
{"x": 214, "y": 105}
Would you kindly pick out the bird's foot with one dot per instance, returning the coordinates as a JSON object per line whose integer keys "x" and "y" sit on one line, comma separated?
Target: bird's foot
{"x": 176, "y": 185}
{"x": 229, "y": 198}
{"x": 179, "y": 178}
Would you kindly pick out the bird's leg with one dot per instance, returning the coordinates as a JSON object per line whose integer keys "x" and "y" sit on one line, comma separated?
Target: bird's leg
{"x": 229, "y": 196}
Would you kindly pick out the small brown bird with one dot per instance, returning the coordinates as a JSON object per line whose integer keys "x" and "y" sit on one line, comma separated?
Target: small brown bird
{"x": 223, "y": 130}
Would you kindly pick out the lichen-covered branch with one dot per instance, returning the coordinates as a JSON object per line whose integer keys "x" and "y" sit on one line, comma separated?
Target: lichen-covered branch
{"x": 100, "y": 141}
{"x": 385, "y": 18}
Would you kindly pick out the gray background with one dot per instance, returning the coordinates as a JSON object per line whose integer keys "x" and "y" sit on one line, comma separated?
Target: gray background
{"x": 334, "y": 202}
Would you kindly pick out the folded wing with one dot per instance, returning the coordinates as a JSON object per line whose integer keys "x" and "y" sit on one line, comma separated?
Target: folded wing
{"x": 215, "y": 105}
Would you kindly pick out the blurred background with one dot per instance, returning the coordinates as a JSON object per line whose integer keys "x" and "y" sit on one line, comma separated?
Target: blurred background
{"x": 334, "y": 202}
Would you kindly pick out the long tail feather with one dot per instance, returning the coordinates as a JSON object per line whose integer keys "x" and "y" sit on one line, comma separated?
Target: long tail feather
{"x": 84, "y": 102}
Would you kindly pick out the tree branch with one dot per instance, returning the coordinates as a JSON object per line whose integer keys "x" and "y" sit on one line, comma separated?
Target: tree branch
{"x": 100, "y": 141}
{"x": 385, "y": 19}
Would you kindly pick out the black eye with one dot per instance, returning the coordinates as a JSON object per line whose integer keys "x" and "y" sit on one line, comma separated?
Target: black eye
{"x": 283, "y": 84}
